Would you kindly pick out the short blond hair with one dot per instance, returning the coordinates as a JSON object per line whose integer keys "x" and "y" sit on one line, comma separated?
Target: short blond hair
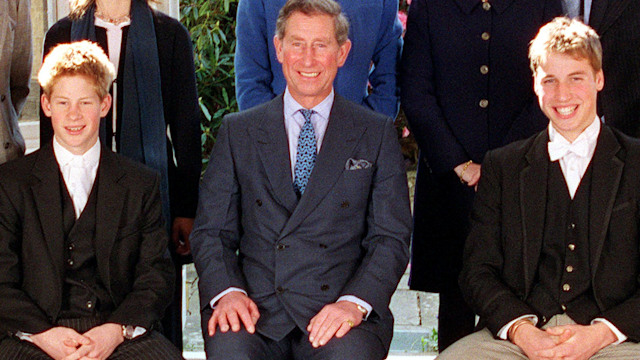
{"x": 78, "y": 58}
{"x": 566, "y": 36}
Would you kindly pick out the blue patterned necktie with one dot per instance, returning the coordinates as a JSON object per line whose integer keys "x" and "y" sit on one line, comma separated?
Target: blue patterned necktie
{"x": 306, "y": 155}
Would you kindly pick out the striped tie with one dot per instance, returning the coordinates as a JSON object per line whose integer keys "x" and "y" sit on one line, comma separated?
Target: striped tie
{"x": 306, "y": 155}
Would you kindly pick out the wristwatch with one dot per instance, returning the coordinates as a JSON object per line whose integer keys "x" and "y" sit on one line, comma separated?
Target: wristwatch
{"x": 362, "y": 310}
{"x": 127, "y": 331}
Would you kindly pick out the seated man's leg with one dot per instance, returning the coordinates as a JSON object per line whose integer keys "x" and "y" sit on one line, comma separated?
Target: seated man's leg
{"x": 12, "y": 348}
{"x": 626, "y": 351}
{"x": 481, "y": 345}
{"x": 241, "y": 345}
{"x": 358, "y": 344}
{"x": 152, "y": 346}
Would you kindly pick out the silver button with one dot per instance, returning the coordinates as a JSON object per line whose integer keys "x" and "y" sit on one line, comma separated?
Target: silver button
{"x": 484, "y": 69}
{"x": 569, "y": 269}
{"x": 485, "y": 36}
{"x": 89, "y": 304}
{"x": 483, "y": 103}
{"x": 486, "y": 6}
{"x": 572, "y": 247}
{"x": 566, "y": 287}
{"x": 564, "y": 308}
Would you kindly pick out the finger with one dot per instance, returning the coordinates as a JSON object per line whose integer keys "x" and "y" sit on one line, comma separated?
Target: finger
{"x": 315, "y": 324}
{"x": 327, "y": 331}
{"x": 81, "y": 352}
{"x": 223, "y": 324}
{"x": 213, "y": 322}
{"x": 234, "y": 321}
{"x": 344, "y": 329}
{"x": 247, "y": 320}
{"x": 254, "y": 312}
{"x": 175, "y": 235}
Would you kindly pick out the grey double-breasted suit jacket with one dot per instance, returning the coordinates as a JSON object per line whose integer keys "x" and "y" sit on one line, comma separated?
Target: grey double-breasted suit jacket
{"x": 347, "y": 235}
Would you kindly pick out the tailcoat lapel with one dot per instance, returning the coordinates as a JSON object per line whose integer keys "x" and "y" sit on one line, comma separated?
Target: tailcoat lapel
{"x": 340, "y": 139}
{"x": 109, "y": 208}
{"x": 607, "y": 172}
{"x": 46, "y": 194}
{"x": 271, "y": 139}
{"x": 533, "y": 192}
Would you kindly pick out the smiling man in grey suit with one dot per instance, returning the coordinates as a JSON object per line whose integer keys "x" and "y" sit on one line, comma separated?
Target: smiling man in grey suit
{"x": 302, "y": 230}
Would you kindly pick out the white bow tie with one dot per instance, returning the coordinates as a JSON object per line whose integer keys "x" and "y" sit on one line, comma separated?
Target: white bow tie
{"x": 558, "y": 150}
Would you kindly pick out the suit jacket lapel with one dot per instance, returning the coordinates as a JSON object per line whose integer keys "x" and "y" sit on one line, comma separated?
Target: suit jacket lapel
{"x": 46, "y": 194}
{"x": 533, "y": 192}
{"x": 271, "y": 138}
{"x": 109, "y": 208}
{"x": 604, "y": 13}
{"x": 340, "y": 139}
{"x": 607, "y": 172}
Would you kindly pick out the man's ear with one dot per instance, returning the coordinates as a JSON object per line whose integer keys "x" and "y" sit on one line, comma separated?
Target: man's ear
{"x": 277, "y": 43}
{"x": 45, "y": 104}
{"x": 105, "y": 105}
{"x": 600, "y": 80}
{"x": 344, "y": 52}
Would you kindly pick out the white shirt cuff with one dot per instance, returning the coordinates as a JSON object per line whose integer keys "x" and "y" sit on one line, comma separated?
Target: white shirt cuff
{"x": 357, "y": 301}
{"x": 213, "y": 301}
{"x": 621, "y": 337}
{"x": 504, "y": 331}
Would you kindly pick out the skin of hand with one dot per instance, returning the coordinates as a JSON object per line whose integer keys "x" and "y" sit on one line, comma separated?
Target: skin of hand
{"x": 534, "y": 341}
{"x": 59, "y": 342}
{"x": 180, "y": 231}
{"x": 584, "y": 342}
{"x": 104, "y": 338}
{"x": 230, "y": 310}
{"x": 471, "y": 176}
{"x": 332, "y": 321}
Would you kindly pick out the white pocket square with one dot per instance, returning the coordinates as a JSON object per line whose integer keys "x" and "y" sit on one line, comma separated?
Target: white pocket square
{"x": 357, "y": 164}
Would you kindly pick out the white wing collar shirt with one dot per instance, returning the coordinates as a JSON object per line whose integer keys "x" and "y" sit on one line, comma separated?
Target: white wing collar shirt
{"x": 78, "y": 172}
{"x": 574, "y": 156}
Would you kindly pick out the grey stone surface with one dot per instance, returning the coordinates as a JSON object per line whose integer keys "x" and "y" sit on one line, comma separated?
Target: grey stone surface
{"x": 415, "y": 316}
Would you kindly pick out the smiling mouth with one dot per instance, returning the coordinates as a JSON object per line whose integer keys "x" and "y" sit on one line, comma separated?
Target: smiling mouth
{"x": 75, "y": 128}
{"x": 309, "y": 74}
{"x": 566, "y": 110}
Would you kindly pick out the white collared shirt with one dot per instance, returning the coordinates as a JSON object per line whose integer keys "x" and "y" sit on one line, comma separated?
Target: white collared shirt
{"x": 574, "y": 166}
{"x": 79, "y": 188}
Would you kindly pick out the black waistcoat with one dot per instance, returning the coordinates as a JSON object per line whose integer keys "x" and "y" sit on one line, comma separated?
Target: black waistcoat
{"x": 563, "y": 281}
{"x": 84, "y": 293}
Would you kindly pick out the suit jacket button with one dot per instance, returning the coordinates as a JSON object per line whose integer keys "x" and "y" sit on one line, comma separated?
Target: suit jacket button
{"x": 279, "y": 289}
{"x": 485, "y": 36}
{"x": 483, "y": 103}
{"x": 485, "y": 5}
{"x": 259, "y": 202}
{"x": 281, "y": 246}
{"x": 324, "y": 287}
{"x": 323, "y": 246}
{"x": 345, "y": 204}
{"x": 70, "y": 262}
{"x": 6, "y": 145}
{"x": 89, "y": 304}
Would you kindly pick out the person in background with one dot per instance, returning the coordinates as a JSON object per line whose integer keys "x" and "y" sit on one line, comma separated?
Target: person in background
{"x": 552, "y": 264}
{"x": 617, "y": 24}
{"x": 302, "y": 230}
{"x": 15, "y": 71}
{"x": 376, "y": 37}
{"x": 155, "y": 118}
{"x": 85, "y": 271}
{"x": 466, "y": 88}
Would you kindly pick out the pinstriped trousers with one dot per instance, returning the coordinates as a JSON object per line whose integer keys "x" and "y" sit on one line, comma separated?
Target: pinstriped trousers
{"x": 151, "y": 346}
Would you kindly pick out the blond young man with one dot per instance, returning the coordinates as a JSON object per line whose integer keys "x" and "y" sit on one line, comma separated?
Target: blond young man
{"x": 553, "y": 259}
{"x": 84, "y": 269}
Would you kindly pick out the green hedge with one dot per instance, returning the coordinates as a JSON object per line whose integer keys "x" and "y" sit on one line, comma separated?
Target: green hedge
{"x": 212, "y": 27}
